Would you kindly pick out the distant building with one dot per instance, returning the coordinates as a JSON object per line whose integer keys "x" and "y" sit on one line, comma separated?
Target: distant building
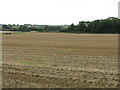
{"x": 28, "y": 25}
{"x": 35, "y": 25}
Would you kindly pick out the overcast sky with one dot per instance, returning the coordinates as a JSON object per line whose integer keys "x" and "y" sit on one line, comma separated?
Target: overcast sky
{"x": 56, "y": 12}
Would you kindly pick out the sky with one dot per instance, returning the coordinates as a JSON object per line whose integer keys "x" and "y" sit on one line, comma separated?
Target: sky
{"x": 56, "y": 12}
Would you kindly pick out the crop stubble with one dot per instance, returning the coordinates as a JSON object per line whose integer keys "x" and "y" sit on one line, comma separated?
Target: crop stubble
{"x": 42, "y": 60}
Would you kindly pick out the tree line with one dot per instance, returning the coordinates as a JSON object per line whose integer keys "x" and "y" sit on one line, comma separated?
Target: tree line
{"x": 28, "y": 28}
{"x": 109, "y": 25}
{"x": 38, "y": 28}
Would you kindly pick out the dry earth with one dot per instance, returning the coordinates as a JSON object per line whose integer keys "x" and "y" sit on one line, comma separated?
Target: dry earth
{"x": 57, "y": 60}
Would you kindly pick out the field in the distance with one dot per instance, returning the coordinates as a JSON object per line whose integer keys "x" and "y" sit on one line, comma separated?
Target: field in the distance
{"x": 41, "y": 60}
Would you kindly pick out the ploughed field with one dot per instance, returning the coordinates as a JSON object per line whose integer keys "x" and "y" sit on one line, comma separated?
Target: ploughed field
{"x": 58, "y": 60}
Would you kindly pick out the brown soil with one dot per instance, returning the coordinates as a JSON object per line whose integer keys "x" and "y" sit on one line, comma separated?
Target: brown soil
{"x": 42, "y": 60}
